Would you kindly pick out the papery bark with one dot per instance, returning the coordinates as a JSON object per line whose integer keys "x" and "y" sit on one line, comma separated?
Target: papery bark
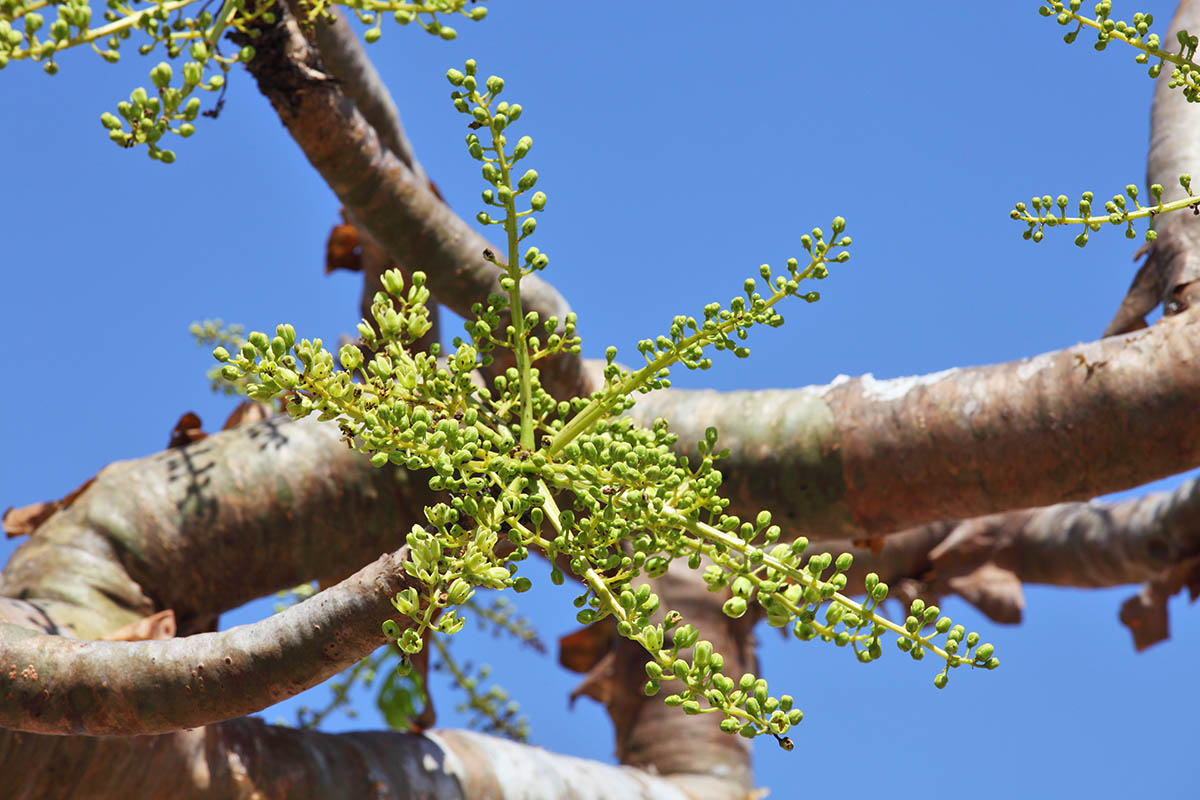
{"x": 1171, "y": 274}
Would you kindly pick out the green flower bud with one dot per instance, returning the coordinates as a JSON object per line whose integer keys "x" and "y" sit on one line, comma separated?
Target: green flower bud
{"x": 984, "y": 652}
{"x": 372, "y": 35}
{"x": 734, "y": 607}
{"x": 455, "y": 77}
{"x": 522, "y": 146}
{"x": 410, "y": 641}
{"x": 110, "y": 121}
{"x": 161, "y": 75}
{"x": 459, "y": 592}
{"x": 528, "y": 226}
{"x": 527, "y": 180}
{"x": 702, "y": 653}
{"x": 538, "y": 201}
{"x": 246, "y": 53}
{"x": 495, "y": 84}
{"x": 447, "y": 33}
{"x": 686, "y": 636}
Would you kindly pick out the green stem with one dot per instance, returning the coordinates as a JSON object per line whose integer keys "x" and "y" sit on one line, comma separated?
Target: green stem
{"x": 93, "y": 34}
{"x": 600, "y": 406}
{"x": 711, "y": 534}
{"x": 513, "y": 269}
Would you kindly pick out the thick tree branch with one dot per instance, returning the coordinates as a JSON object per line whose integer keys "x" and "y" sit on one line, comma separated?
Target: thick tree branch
{"x": 53, "y": 684}
{"x": 864, "y": 457}
{"x": 247, "y": 758}
{"x": 343, "y": 55}
{"x": 1153, "y": 539}
{"x": 395, "y": 205}
{"x": 205, "y": 528}
{"x": 1171, "y": 274}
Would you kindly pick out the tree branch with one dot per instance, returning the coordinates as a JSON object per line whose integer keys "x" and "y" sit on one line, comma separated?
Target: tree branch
{"x": 1171, "y": 274}
{"x": 343, "y": 54}
{"x": 53, "y": 684}
{"x": 248, "y": 758}
{"x": 846, "y": 460}
{"x": 205, "y": 528}
{"x": 395, "y": 205}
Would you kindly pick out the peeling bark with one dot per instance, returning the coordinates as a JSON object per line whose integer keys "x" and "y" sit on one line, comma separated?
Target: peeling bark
{"x": 1171, "y": 274}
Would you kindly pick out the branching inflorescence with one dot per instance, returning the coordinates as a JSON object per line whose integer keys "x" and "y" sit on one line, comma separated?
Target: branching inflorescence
{"x": 1185, "y": 76}
{"x": 188, "y": 29}
{"x": 573, "y": 480}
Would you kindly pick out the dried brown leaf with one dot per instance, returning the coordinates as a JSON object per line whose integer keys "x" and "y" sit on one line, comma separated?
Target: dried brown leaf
{"x": 186, "y": 431}
{"x": 25, "y": 520}
{"x": 160, "y": 625}
{"x": 246, "y": 412}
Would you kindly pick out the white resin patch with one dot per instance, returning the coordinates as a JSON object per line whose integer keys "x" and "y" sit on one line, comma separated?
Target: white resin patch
{"x": 1032, "y": 366}
{"x": 895, "y": 388}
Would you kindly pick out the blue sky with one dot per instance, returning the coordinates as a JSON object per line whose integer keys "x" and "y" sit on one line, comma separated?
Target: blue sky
{"x": 680, "y": 148}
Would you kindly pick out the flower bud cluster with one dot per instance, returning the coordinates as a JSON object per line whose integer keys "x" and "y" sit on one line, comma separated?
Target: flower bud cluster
{"x": 1117, "y": 212}
{"x": 508, "y": 453}
{"x": 747, "y": 705}
{"x": 727, "y": 328}
{"x": 403, "y": 12}
{"x": 1185, "y": 73}
{"x": 146, "y": 118}
{"x": 499, "y": 163}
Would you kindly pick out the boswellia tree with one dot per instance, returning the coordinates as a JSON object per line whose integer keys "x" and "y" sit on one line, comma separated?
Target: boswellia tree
{"x": 502, "y": 458}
